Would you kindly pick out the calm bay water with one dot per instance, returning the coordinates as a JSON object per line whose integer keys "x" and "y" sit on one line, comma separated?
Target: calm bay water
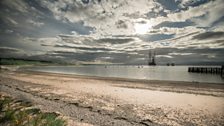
{"x": 171, "y": 73}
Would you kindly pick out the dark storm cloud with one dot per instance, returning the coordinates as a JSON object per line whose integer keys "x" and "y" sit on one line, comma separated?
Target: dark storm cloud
{"x": 187, "y": 35}
{"x": 84, "y": 48}
{"x": 170, "y": 4}
{"x": 209, "y": 35}
{"x": 115, "y": 40}
{"x": 105, "y": 40}
{"x": 132, "y": 15}
{"x": 190, "y": 51}
{"x": 177, "y": 5}
{"x": 45, "y": 45}
{"x": 29, "y": 18}
{"x": 195, "y": 3}
{"x": 8, "y": 49}
{"x": 121, "y": 24}
{"x": 117, "y": 57}
{"x": 77, "y": 56}
{"x": 217, "y": 22}
{"x": 174, "y": 24}
{"x": 221, "y": 42}
{"x": 156, "y": 37}
{"x": 156, "y": 12}
{"x": 11, "y": 52}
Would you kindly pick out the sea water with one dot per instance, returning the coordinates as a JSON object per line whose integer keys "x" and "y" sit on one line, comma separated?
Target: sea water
{"x": 165, "y": 73}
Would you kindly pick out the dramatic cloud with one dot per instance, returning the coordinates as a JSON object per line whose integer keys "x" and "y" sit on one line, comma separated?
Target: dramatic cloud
{"x": 114, "y": 31}
{"x": 8, "y": 52}
{"x": 209, "y": 35}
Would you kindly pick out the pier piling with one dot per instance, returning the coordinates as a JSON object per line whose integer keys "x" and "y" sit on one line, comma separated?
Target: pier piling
{"x": 207, "y": 70}
{"x": 222, "y": 71}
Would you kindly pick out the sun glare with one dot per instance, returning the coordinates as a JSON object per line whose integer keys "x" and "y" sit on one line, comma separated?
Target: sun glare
{"x": 141, "y": 28}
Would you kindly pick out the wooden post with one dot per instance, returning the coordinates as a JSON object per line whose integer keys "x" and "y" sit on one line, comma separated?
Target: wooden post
{"x": 211, "y": 70}
{"x": 222, "y": 71}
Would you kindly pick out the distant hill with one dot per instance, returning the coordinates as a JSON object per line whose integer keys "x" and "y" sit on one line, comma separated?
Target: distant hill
{"x": 14, "y": 61}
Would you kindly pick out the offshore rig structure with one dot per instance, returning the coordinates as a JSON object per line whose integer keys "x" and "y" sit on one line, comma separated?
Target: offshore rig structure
{"x": 152, "y": 60}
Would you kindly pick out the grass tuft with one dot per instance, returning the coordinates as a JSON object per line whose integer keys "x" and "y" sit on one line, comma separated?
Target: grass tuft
{"x": 18, "y": 113}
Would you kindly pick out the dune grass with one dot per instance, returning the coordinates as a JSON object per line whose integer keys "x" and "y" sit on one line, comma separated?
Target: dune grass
{"x": 18, "y": 113}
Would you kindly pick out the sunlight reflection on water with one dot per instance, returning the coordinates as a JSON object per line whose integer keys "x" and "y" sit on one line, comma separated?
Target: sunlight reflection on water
{"x": 174, "y": 73}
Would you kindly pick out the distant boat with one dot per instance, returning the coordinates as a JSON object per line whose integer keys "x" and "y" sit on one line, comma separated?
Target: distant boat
{"x": 152, "y": 56}
{"x": 172, "y": 64}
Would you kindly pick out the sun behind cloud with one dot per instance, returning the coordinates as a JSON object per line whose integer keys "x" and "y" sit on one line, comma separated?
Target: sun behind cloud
{"x": 125, "y": 30}
{"x": 141, "y": 28}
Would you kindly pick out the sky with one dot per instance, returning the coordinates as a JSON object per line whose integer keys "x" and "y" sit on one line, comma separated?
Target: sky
{"x": 113, "y": 31}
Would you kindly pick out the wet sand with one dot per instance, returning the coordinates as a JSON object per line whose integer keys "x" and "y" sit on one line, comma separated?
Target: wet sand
{"x": 116, "y": 101}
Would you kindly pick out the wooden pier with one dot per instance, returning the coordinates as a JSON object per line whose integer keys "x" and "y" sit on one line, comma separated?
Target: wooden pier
{"x": 207, "y": 70}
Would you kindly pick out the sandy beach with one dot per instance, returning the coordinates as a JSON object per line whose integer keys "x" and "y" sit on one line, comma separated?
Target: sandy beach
{"x": 115, "y": 101}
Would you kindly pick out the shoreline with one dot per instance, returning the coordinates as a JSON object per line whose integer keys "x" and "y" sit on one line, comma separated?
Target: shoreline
{"x": 168, "y": 86}
{"x": 122, "y": 79}
{"x": 21, "y": 69}
{"x": 172, "y": 79}
{"x": 112, "y": 101}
